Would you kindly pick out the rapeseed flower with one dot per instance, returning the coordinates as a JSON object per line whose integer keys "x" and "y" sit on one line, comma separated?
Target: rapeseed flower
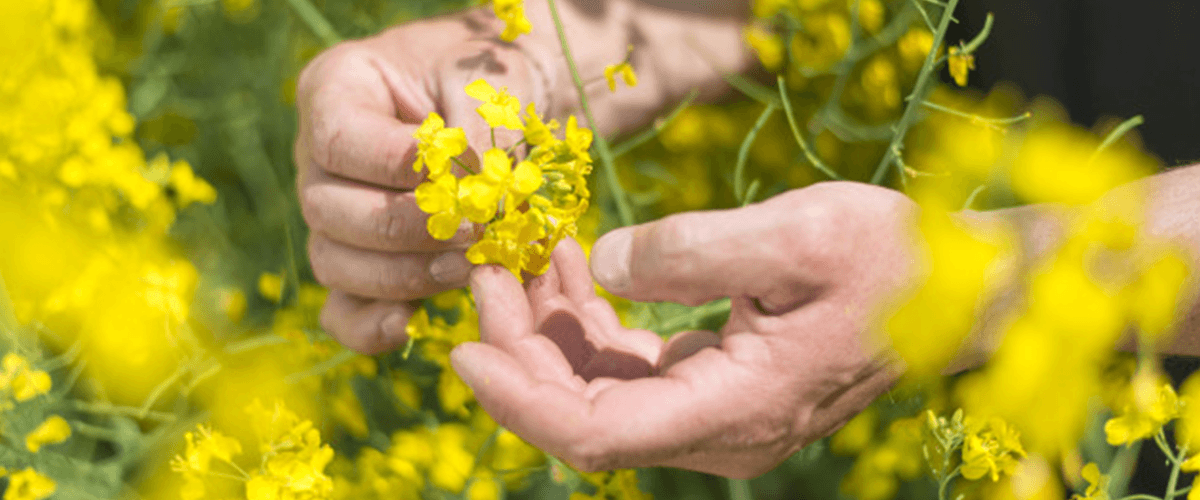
{"x": 480, "y": 194}
{"x": 439, "y": 199}
{"x": 960, "y": 63}
{"x": 53, "y": 430}
{"x": 436, "y": 145}
{"x": 27, "y": 484}
{"x": 1097, "y": 484}
{"x": 22, "y": 381}
{"x": 625, "y": 70}
{"x": 499, "y": 108}
{"x": 1147, "y": 406}
{"x": 512, "y": 12}
{"x": 990, "y": 448}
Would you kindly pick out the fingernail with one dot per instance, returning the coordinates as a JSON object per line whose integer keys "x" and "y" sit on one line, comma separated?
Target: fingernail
{"x": 450, "y": 268}
{"x": 610, "y": 260}
{"x": 394, "y": 326}
{"x": 461, "y": 366}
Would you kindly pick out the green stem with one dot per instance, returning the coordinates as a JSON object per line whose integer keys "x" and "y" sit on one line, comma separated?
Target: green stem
{"x": 100, "y": 408}
{"x": 1174, "y": 479}
{"x": 1117, "y": 133}
{"x": 315, "y": 21}
{"x": 1140, "y": 496}
{"x": 637, "y": 140}
{"x": 739, "y": 182}
{"x": 915, "y": 99}
{"x": 981, "y": 37}
{"x": 791, "y": 118}
{"x": 974, "y": 194}
{"x": 739, "y": 489}
{"x": 606, "y": 155}
{"x": 949, "y": 477}
{"x": 991, "y": 122}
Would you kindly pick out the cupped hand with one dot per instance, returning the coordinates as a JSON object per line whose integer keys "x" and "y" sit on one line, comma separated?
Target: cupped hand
{"x": 359, "y": 104}
{"x": 807, "y": 271}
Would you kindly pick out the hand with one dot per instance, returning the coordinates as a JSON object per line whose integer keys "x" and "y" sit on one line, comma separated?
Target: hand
{"x": 359, "y": 104}
{"x": 806, "y": 271}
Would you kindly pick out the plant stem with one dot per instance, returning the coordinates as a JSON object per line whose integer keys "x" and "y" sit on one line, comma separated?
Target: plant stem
{"x": 315, "y": 21}
{"x": 739, "y": 489}
{"x": 739, "y": 183}
{"x": 915, "y": 99}
{"x": 1176, "y": 460}
{"x": 601, "y": 144}
{"x": 791, "y": 118}
{"x": 1117, "y": 133}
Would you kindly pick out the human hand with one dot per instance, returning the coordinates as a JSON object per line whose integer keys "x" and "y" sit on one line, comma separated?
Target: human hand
{"x": 359, "y": 104}
{"x": 807, "y": 272}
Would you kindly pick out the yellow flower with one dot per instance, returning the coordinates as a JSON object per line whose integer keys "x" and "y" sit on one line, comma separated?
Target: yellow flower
{"x": 990, "y": 447}
{"x": 506, "y": 240}
{"x": 189, "y": 188}
{"x": 512, "y": 12}
{"x": 499, "y": 108}
{"x": 1144, "y": 413}
{"x": 439, "y": 199}
{"x": 768, "y": 46}
{"x": 202, "y": 448}
{"x": 1097, "y": 484}
{"x": 480, "y": 194}
{"x": 960, "y": 63}
{"x": 29, "y": 485}
{"x": 23, "y": 381}
{"x": 53, "y": 431}
{"x": 625, "y": 70}
{"x": 436, "y": 145}
{"x": 538, "y": 133}
{"x": 270, "y": 286}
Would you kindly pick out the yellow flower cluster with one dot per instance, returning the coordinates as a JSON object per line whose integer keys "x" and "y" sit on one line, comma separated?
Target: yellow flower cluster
{"x": 77, "y": 189}
{"x": 477, "y": 460}
{"x": 448, "y": 319}
{"x": 27, "y": 484}
{"x": 624, "y": 70}
{"x": 612, "y": 485}
{"x": 19, "y": 381}
{"x": 528, "y": 208}
{"x": 990, "y": 447}
{"x": 884, "y": 459}
{"x": 291, "y": 465}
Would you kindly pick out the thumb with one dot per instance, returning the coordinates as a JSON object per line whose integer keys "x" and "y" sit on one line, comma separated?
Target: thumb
{"x": 696, "y": 257}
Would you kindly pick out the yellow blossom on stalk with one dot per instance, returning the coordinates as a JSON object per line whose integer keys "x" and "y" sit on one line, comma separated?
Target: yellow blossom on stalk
{"x": 537, "y": 132}
{"x": 1097, "y": 484}
{"x": 480, "y": 195}
{"x": 505, "y": 240}
{"x": 436, "y": 145}
{"x": 960, "y": 63}
{"x": 991, "y": 447}
{"x": 439, "y": 199}
{"x": 1147, "y": 407}
{"x": 625, "y": 70}
{"x": 499, "y": 108}
{"x": 21, "y": 380}
{"x": 270, "y": 286}
{"x": 1187, "y": 429}
{"x": 202, "y": 447}
{"x": 512, "y": 12}
{"x": 52, "y": 431}
{"x": 27, "y": 484}
{"x": 913, "y": 47}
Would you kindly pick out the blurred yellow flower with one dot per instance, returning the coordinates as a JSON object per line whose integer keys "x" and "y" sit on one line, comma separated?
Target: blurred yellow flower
{"x": 270, "y": 286}
{"x": 767, "y": 45}
{"x": 1147, "y": 408}
{"x": 52, "y": 431}
{"x": 436, "y": 145}
{"x": 537, "y": 132}
{"x": 27, "y": 484}
{"x": 499, "y": 108}
{"x": 21, "y": 380}
{"x": 512, "y": 12}
{"x": 1097, "y": 484}
{"x": 189, "y": 188}
{"x": 625, "y": 70}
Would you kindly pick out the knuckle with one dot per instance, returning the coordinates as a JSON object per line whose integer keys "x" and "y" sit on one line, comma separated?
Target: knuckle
{"x": 318, "y": 251}
{"x": 312, "y": 206}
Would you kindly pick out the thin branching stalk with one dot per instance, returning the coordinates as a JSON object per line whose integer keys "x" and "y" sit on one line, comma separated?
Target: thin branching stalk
{"x": 915, "y": 99}
{"x": 315, "y": 22}
{"x": 791, "y": 118}
{"x": 1117, "y": 133}
{"x": 606, "y": 156}
{"x": 739, "y": 170}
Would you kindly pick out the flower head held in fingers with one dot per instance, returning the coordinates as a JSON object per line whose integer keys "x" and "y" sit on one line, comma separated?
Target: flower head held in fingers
{"x": 528, "y": 202}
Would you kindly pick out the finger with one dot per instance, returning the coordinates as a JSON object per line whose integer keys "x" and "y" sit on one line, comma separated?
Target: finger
{"x": 696, "y": 257}
{"x": 366, "y": 325}
{"x": 685, "y": 344}
{"x": 353, "y": 121}
{"x": 636, "y": 423}
{"x": 371, "y": 217}
{"x": 506, "y": 321}
{"x": 383, "y": 275}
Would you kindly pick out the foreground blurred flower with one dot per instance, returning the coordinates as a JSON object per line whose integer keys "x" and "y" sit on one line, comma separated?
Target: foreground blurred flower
{"x": 53, "y": 431}
{"x": 27, "y": 484}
